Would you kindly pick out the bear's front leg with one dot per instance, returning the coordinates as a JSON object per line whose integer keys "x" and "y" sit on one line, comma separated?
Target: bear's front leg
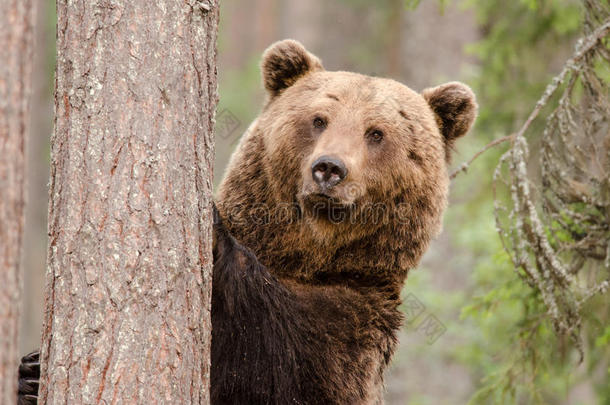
{"x": 29, "y": 374}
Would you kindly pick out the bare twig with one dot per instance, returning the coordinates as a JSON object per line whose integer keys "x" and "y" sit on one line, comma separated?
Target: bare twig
{"x": 464, "y": 166}
{"x": 586, "y": 44}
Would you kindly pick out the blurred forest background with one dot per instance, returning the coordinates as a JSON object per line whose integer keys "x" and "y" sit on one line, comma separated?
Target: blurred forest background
{"x": 496, "y": 346}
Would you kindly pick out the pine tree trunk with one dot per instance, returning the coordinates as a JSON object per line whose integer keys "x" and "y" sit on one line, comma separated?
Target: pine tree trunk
{"x": 129, "y": 263}
{"x": 16, "y": 42}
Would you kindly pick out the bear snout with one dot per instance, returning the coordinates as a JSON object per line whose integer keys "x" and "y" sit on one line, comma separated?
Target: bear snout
{"x": 328, "y": 171}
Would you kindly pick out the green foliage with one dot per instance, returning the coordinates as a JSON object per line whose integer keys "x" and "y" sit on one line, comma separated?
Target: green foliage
{"x": 412, "y": 4}
{"x": 517, "y": 357}
{"x": 525, "y": 44}
{"x": 241, "y": 90}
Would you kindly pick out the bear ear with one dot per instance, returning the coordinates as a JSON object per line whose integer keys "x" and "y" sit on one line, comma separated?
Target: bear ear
{"x": 455, "y": 109}
{"x": 284, "y": 63}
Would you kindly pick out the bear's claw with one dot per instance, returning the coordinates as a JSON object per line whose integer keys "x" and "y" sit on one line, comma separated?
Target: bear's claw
{"x": 29, "y": 374}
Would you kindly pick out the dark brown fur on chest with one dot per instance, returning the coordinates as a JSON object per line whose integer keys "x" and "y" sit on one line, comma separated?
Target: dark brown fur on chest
{"x": 282, "y": 342}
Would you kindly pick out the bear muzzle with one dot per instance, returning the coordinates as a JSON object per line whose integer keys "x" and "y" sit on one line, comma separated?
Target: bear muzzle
{"x": 327, "y": 172}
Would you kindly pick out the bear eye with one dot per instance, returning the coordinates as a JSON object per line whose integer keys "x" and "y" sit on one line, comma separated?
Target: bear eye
{"x": 319, "y": 123}
{"x": 376, "y": 135}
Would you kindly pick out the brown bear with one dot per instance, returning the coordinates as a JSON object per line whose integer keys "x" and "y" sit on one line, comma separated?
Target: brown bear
{"x": 332, "y": 195}
{"x": 336, "y": 188}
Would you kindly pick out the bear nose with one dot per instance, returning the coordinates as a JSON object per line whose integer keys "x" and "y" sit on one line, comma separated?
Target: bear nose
{"x": 328, "y": 171}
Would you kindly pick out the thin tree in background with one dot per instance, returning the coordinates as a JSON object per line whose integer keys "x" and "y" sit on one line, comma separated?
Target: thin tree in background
{"x": 129, "y": 261}
{"x": 16, "y": 38}
{"x": 395, "y": 36}
{"x": 37, "y": 179}
{"x": 266, "y": 22}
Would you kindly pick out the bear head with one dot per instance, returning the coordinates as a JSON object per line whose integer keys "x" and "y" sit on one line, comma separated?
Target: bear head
{"x": 360, "y": 158}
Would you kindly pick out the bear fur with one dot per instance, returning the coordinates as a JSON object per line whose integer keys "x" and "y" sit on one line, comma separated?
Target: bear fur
{"x": 307, "y": 272}
{"x": 262, "y": 194}
{"x": 339, "y": 259}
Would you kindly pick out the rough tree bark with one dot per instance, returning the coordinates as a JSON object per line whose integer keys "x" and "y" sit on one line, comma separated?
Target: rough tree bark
{"x": 129, "y": 262}
{"x": 16, "y": 41}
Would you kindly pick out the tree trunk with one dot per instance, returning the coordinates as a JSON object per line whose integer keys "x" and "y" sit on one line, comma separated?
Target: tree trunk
{"x": 267, "y": 22}
{"x": 129, "y": 262}
{"x": 37, "y": 179}
{"x": 395, "y": 35}
{"x": 16, "y": 38}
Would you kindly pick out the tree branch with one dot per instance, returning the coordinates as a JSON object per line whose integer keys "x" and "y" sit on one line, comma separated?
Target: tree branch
{"x": 582, "y": 48}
